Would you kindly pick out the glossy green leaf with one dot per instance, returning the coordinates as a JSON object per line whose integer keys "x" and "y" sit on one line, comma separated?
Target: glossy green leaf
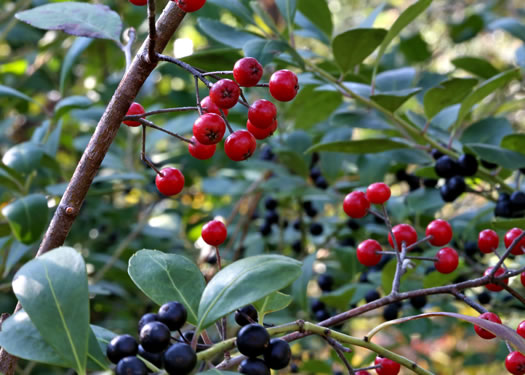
{"x": 510, "y": 25}
{"x": 8, "y": 91}
{"x": 371, "y": 19}
{"x": 490, "y": 130}
{"x": 72, "y": 102}
{"x": 244, "y": 282}
{"x": 340, "y": 297}
{"x": 363, "y": 146}
{"x": 318, "y": 13}
{"x": 436, "y": 278}
{"x": 24, "y": 157}
{"x": 266, "y": 50}
{"x": 514, "y": 142}
{"x": 506, "y": 224}
{"x": 392, "y": 100}
{"x": 234, "y": 6}
{"x": 27, "y": 217}
{"x": 300, "y": 285}
{"x": 264, "y": 16}
{"x": 415, "y": 48}
{"x": 53, "y": 290}
{"x": 276, "y": 301}
{"x": 446, "y": 94}
{"x": 311, "y": 107}
{"x": 287, "y": 9}
{"x": 293, "y": 161}
{"x": 466, "y": 29}
{"x": 507, "y": 159}
{"x": 359, "y": 119}
{"x": 213, "y": 59}
{"x": 168, "y": 277}
{"x": 80, "y": 19}
{"x": 76, "y": 49}
{"x": 475, "y": 65}
{"x": 225, "y": 34}
{"x": 395, "y": 79}
{"x": 353, "y": 46}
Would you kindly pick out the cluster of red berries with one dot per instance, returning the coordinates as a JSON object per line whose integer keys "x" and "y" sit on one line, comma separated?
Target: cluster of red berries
{"x": 187, "y": 6}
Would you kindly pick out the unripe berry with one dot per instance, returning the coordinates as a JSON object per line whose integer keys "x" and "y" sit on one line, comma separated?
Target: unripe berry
{"x": 170, "y": 181}
{"x": 209, "y": 128}
{"x": 240, "y": 145}
{"x": 247, "y": 71}
{"x": 284, "y": 85}
{"x": 225, "y": 93}
{"x": 441, "y": 232}
{"x": 214, "y": 233}
{"x": 510, "y": 236}
{"x": 134, "y": 109}
{"x": 356, "y": 205}
{"x": 447, "y": 260}
{"x": 378, "y": 193}
{"x": 262, "y": 113}
{"x": 189, "y": 6}
{"x": 201, "y": 151}
{"x": 483, "y": 333}
{"x": 367, "y": 253}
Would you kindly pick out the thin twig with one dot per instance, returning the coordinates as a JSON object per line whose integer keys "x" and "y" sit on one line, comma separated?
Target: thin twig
{"x": 147, "y": 123}
{"x": 143, "y": 155}
{"x": 159, "y": 111}
{"x": 507, "y": 253}
{"x": 218, "y": 73}
{"x": 476, "y": 306}
{"x": 198, "y": 95}
{"x": 226, "y": 121}
{"x": 186, "y": 67}
{"x": 419, "y": 242}
{"x": 338, "y": 350}
{"x": 152, "y": 55}
{"x": 399, "y": 269}
{"x": 513, "y": 292}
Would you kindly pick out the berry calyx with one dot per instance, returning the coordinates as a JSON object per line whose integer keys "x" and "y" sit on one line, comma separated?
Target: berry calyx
{"x": 262, "y": 113}
{"x": 131, "y": 365}
{"x": 170, "y": 181}
{"x": 284, "y": 85}
{"x": 367, "y": 253}
{"x": 173, "y": 315}
{"x": 495, "y": 287}
{"x": 388, "y": 367}
{"x": 242, "y": 315}
{"x": 403, "y": 233}
{"x": 277, "y": 355}
{"x": 441, "y": 232}
{"x": 521, "y": 329}
{"x": 515, "y": 363}
{"x": 378, "y": 193}
{"x": 225, "y": 93}
{"x": 483, "y": 333}
{"x": 447, "y": 260}
{"x": 179, "y": 359}
{"x": 208, "y": 106}
{"x": 356, "y": 205}
{"x": 209, "y": 128}
{"x": 510, "y": 236}
{"x": 120, "y": 347}
{"x": 201, "y": 151}
{"x": 189, "y": 6}
{"x": 135, "y": 108}
{"x": 138, "y": 2}
{"x": 240, "y": 145}
{"x": 155, "y": 337}
{"x": 253, "y": 366}
{"x": 247, "y": 71}
{"x": 488, "y": 241}
{"x": 214, "y": 233}
{"x": 259, "y": 133}
{"x": 252, "y": 340}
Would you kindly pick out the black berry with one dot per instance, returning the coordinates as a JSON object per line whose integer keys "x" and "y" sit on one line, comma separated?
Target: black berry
{"x": 413, "y": 182}
{"x": 297, "y": 246}
{"x": 155, "y": 337}
{"x": 322, "y": 315}
{"x": 391, "y": 312}
{"x": 518, "y": 201}
{"x": 270, "y": 204}
{"x": 277, "y": 355}
{"x": 311, "y": 212}
{"x": 271, "y": 217}
{"x": 321, "y": 183}
{"x": 315, "y": 173}
{"x": 293, "y": 368}
{"x": 446, "y": 167}
{"x": 252, "y": 340}
{"x": 430, "y": 182}
{"x": 468, "y": 165}
{"x": 436, "y": 154}
{"x": 244, "y": 314}
{"x": 154, "y": 358}
{"x": 317, "y": 305}
{"x": 418, "y": 302}
{"x": 484, "y": 298}
{"x": 266, "y": 229}
{"x": 488, "y": 164}
{"x": 471, "y": 249}
{"x": 179, "y": 359}
{"x": 254, "y": 366}
{"x": 131, "y": 366}
{"x": 120, "y": 347}
{"x": 372, "y": 296}
{"x": 267, "y": 154}
{"x": 146, "y": 318}
{"x": 325, "y": 282}
{"x": 173, "y": 314}
{"x": 316, "y": 229}
{"x": 503, "y": 209}
{"x": 347, "y": 241}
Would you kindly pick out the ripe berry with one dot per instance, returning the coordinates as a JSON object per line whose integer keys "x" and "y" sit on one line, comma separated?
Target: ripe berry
{"x": 367, "y": 253}
{"x": 190, "y": 5}
{"x": 418, "y": 302}
{"x": 484, "y": 298}
{"x": 515, "y": 363}
{"x": 209, "y": 128}
{"x": 371, "y": 296}
{"x": 378, "y": 193}
{"x": 488, "y": 241}
{"x": 321, "y": 183}
{"x": 356, "y": 205}
{"x": 430, "y": 182}
{"x": 214, "y": 233}
{"x": 322, "y": 315}
{"x": 522, "y": 278}
{"x": 483, "y": 333}
{"x": 391, "y": 312}
{"x": 403, "y": 233}
{"x": 253, "y": 366}
{"x": 446, "y": 167}
{"x": 316, "y": 229}
{"x": 362, "y": 373}
{"x": 170, "y": 181}
{"x": 259, "y": 133}
{"x": 277, "y": 355}
{"x": 135, "y": 108}
{"x": 154, "y": 358}
{"x": 510, "y": 236}
{"x": 325, "y": 282}
{"x": 388, "y": 367}
{"x": 441, "y": 232}
{"x": 131, "y": 365}
{"x": 495, "y": 287}
{"x": 521, "y": 329}
{"x": 155, "y": 337}
{"x": 503, "y": 209}
{"x": 252, "y": 340}
{"x": 225, "y": 93}
{"x": 284, "y": 85}
{"x": 146, "y": 318}
{"x": 138, "y": 2}
{"x": 517, "y": 199}
{"x": 173, "y": 314}
{"x": 317, "y": 305}
{"x": 240, "y": 145}
{"x": 468, "y": 165}
{"x": 436, "y": 154}
{"x": 247, "y": 71}
{"x": 179, "y": 359}
{"x": 270, "y": 203}
{"x": 199, "y": 150}
{"x": 120, "y": 347}
{"x": 242, "y": 315}
{"x": 208, "y": 106}
{"x": 262, "y": 113}
{"x": 447, "y": 260}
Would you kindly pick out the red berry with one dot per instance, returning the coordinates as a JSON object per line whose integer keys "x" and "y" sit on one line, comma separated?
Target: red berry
{"x": 496, "y": 287}
{"x": 209, "y": 128}
{"x": 362, "y": 373}
{"x": 441, "y": 232}
{"x": 262, "y": 113}
{"x": 225, "y": 93}
{"x": 190, "y": 5}
{"x": 259, "y": 133}
{"x": 515, "y": 363}
{"x": 200, "y": 151}
{"x": 170, "y": 181}
{"x": 134, "y": 109}
{"x": 214, "y": 233}
{"x": 240, "y": 145}
{"x": 378, "y": 193}
{"x": 521, "y": 329}
{"x": 510, "y": 236}
{"x": 447, "y": 260}
{"x": 208, "y": 106}
{"x": 388, "y": 367}
{"x": 247, "y": 71}
{"x": 367, "y": 253}
{"x": 522, "y": 278}
{"x": 284, "y": 85}
{"x": 356, "y": 205}
{"x": 138, "y": 2}
{"x": 488, "y": 241}
{"x": 403, "y": 233}
{"x": 483, "y": 333}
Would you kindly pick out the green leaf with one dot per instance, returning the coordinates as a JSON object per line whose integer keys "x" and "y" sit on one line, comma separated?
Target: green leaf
{"x": 318, "y": 13}
{"x": 53, "y": 290}
{"x": 475, "y": 65}
{"x": 353, "y": 46}
{"x": 225, "y": 34}
{"x": 340, "y": 297}
{"x": 446, "y": 94}
{"x": 506, "y": 224}
{"x": 514, "y": 142}
{"x": 287, "y": 9}
{"x": 484, "y": 90}
{"x": 490, "y": 130}
{"x": 24, "y": 157}
{"x": 395, "y": 79}
{"x": 71, "y": 102}
{"x": 392, "y": 100}
{"x": 76, "y": 49}
{"x": 363, "y": 146}
{"x": 276, "y": 301}
{"x": 80, "y": 19}
{"x": 294, "y": 161}
{"x": 299, "y": 286}
{"x": 467, "y": 29}
{"x": 244, "y": 282}
{"x": 359, "y": 119}
{"x": 213, "y": 59}
{"x": 8, "y": 91}
{"x": 168, "y": 277}
{"x": 436, "y": 278}
{"x": 371, "y": 19}
{"x": 265, "y": 50}
{"x": 507, "y": 159}
{"x": 236, "y": 7}
{"x": 27, "y": 217}
{"x": 311, "y": 107}
{"x": 510, "y": 25}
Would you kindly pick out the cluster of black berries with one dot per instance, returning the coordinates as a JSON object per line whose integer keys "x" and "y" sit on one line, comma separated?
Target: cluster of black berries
{"x": 271, "y": 217}
{"x": 319, "y": 309}
{"x": 155, "y": 344}
{"x": 253, "y": 340}
{"x": 454, "y": 172}
{"x": 413, "y": 181}
{"x": 509, "y": 206}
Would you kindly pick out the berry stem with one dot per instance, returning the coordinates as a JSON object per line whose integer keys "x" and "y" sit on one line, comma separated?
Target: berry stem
{"x": 152, "y": 40}
{"x": 506, "y": 254}
{"x": 415, "y": 257}
{"x": 512, "y": 291}
{"x": 218, "y": 73}
{"x": 244, "y": 101}
{"x": 186, "y": 67}
{"x": 175, "y": 135}
{"x": 198, "y": 96}
{"x": 377, "y": 214}
{"x": 368, "y": 368}
{"x": 159, "y": 111}
{"x": 143, "y": 155}
{"x": 226, "y": 121}
{"x": 131, "y": 34}
{"x": 262, "y": 85}
{"x": 399, "y": 269}
{"x": 338, "y": 348}
{"x": 469, "y": 302}
{"x": 419, "y": 242}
